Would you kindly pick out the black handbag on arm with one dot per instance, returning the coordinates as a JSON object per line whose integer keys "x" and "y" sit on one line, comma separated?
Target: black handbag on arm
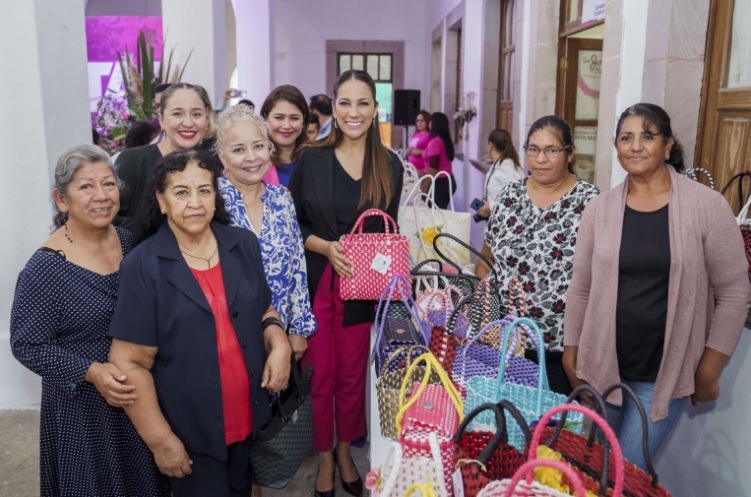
{"x": 279, "y": 449}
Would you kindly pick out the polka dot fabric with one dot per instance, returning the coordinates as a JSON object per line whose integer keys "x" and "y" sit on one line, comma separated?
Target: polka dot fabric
{"x": 59, "y": 320}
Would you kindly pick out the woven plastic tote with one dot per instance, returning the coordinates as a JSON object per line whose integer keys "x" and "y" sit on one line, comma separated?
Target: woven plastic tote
{"x": 397, "y": 322}
{"x": 482, "y": 456}
{"x": 430, "y": 409}
{"x": 531, "y": 401}
{"x": 509, "y": 488}
{"x": 376, "y": 258}
{"x": 399, "y": 474}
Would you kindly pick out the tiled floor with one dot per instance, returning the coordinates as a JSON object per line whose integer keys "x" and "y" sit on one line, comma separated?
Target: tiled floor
{"x": 19, "y": 460}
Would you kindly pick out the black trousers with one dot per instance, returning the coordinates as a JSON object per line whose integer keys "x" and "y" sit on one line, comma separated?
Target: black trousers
{"x": 442, "y": 194}
{"x": 556, "y": 374}
{"x": 211, "y": 477}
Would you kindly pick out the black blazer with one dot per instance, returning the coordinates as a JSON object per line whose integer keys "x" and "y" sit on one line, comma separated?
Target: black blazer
{"x": 161, "y": 304}
{"x": 312, "y": 188}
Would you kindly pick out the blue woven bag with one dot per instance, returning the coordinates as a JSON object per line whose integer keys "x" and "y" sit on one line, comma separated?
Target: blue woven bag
{"x": 533, "y": 402}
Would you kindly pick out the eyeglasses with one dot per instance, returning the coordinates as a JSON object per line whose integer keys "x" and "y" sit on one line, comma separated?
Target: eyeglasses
{"x": 550, "y": 152}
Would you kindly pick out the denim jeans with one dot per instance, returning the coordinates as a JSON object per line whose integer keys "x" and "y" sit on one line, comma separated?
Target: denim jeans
{"x": 626, "y": 422}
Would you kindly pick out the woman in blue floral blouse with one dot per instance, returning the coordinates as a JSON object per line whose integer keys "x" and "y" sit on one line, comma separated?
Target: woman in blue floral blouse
{"x": 531, "y": 234}
{"x": 267, "y": 210}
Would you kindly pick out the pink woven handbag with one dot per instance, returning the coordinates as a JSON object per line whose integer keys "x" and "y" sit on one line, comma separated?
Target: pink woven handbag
{"x": 376, "y": 258}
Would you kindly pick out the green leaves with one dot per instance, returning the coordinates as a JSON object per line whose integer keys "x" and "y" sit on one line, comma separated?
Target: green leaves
{"x": 141, "y": 79}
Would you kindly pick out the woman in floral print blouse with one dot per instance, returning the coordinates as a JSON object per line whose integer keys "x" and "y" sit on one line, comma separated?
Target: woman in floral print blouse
{"x": 531, "y": 234}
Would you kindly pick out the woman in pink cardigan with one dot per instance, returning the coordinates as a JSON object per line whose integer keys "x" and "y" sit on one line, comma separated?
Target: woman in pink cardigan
{"x": 660, "y": 289}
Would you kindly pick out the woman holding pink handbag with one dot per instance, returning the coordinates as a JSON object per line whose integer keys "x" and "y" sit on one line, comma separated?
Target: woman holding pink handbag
{"x": 333, "y": 182}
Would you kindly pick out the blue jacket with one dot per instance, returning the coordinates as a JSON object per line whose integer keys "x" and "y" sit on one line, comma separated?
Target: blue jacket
{"x": 160, "y": 304}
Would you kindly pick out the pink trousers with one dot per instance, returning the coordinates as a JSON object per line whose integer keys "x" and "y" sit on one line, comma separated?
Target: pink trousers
{"x": 339, "y": 356}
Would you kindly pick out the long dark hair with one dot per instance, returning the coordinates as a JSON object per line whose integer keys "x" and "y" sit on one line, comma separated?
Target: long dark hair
{"x": 501, "y": 140}
{"x": 439, "y": 126}
{"x": 561, "y": 129}
{"x": 377, "y": 187}
{"x": 293, "y": 95}
{"x": 653, "y": 116}
{"x": 173, "y": 163}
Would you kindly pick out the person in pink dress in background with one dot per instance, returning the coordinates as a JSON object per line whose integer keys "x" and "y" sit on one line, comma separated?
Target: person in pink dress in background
{"x": 419, "y": 142}
{"x": 438, "y": 156}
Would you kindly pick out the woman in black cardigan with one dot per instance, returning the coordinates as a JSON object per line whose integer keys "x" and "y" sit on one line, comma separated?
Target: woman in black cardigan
{"x": 332, "y": 184}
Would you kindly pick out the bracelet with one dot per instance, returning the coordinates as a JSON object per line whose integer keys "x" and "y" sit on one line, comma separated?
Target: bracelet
{"x": 271, "y": 321}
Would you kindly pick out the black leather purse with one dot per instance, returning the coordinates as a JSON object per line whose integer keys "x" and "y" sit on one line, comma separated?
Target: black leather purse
{"x": 281, "y": 446}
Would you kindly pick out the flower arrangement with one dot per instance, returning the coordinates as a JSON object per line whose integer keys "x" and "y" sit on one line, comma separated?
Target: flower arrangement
{"x": 113, "y": 118}
{"x": 466, "y": 112}
{"x": 140, "y": 78}
{"x": 551, "y": 477}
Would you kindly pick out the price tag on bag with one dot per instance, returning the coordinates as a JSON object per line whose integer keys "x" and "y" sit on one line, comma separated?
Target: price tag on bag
{"x": 381, "y": 263}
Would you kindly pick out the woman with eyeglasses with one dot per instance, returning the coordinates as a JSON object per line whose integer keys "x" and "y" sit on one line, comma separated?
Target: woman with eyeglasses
{"x": 531, "y": 235}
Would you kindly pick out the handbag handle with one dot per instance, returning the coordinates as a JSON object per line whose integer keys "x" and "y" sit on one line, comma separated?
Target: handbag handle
{"x": 414, "y": 189}
{"x": 422, "y": 203}
{"x": 431, "y": 192}
{"x": 454, "y": 317}
{"x": 431, "y": 363}
{"x": 599, "y": 408}
{"x": 415, "y": 271}
{"x": 644, "y": 423}
{"x": 515, "y": 295}
{"x": 426, "y": 490}
{"x": 501, "y": 435}
{"x": 542, "y": 376}
{"x": 527, "y": 470}
{"x": 404, "y": 348}
{"x": 692, "y": 173}
{"x": 466, "y": 246}
{"x": 743, "y": 213}
{"x": 389, "y": 224}
{"x": 599, "y": 421}
{"x": 382, "y": 310}
{"x": 739, "y": 178}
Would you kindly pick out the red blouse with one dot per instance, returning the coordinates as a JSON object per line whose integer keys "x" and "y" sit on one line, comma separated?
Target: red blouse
{"x": 238, "y": 417}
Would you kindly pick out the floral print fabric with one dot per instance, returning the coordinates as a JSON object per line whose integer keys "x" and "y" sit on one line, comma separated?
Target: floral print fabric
{"x": 282, "y": 253}
{"x": 537, "y": 246}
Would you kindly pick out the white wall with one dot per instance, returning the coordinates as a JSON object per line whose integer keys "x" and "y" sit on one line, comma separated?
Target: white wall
{"x": 302, "y": 27}
{"x": 46, "y": 107}
{"x": 198, "y": 25}
{"x": 709, "y": 451}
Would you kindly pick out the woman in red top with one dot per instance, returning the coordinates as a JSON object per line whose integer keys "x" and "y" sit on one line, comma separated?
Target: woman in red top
{"x": 195, "y": 332}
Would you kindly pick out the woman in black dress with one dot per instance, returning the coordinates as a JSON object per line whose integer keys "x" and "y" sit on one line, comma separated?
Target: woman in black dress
{"x": 64, "y": 300}
{"x": 186, "y": 120}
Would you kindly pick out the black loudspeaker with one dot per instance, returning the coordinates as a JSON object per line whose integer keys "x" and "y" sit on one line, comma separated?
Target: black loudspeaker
{"x": 406, "y": 107}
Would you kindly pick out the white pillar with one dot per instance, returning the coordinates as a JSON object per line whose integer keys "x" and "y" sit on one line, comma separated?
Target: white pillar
{"x": 255, "y": 48}
{"x": 197, "y": 25}
{"x": 45, "y": 109}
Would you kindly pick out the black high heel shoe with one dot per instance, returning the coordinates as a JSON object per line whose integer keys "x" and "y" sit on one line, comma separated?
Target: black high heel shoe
{"x": 327, "y": 493}
{"x": 353, "y": 488}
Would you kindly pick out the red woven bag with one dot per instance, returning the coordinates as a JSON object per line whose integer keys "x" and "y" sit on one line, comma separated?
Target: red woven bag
{"x": 376, "y": 258}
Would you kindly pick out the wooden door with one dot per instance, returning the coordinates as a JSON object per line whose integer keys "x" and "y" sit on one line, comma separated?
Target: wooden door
{"x": 724, "y": 137}
{"x": 506, "y": 59}
{"x": 579, "y": 98}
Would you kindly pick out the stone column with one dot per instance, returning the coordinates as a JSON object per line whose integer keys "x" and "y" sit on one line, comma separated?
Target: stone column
{"x": 255, "y": 48}
{"x": 197, "y": 25}
{"x": 45, "y": 110}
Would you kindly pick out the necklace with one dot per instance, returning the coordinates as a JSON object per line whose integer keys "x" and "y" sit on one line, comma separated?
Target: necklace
{"x": 208, "y": 261}
{"x": 67, "y": 235}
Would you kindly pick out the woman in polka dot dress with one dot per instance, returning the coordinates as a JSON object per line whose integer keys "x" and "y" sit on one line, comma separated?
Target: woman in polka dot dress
{"x": 64, "y": 300}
